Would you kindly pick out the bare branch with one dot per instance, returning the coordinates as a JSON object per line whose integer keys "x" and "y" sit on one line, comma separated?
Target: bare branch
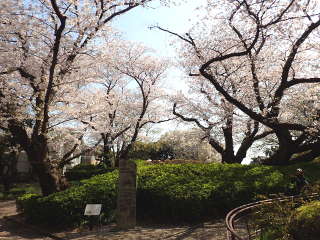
{"x": 186, "y": 119}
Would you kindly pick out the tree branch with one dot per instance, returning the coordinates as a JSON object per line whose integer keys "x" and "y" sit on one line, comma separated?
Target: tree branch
{"x": 186, "y": 119}
{"x": 287, "y": 66}
{"x": 54, "y": 62}
{"x": 296, "y": 81}
{"x": 66, "y": 161}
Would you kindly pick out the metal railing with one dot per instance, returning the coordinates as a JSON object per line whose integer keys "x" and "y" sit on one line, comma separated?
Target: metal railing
{"x": 241, "y": 216}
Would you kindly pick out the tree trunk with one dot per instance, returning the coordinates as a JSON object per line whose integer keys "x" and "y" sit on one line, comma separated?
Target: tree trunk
{"x": 228, "y": 157}
{"x": 116, "y": 162}
{"x": 126, "y": 202}
{"x": 36, "y": 147}
{"x": 285, "y": 151}
{"x": 49, "y": 175}
{"x": 50, "y": 178}
{"x": 106, "y": 155}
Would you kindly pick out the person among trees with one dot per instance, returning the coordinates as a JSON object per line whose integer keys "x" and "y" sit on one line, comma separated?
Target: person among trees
{"x": 299, "y": 181}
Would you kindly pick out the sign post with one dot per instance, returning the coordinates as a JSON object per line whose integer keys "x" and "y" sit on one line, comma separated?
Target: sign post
{"x": 92, "y": 210}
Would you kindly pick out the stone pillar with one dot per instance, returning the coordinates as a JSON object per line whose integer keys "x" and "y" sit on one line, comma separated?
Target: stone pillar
{"x": 126, "y": 201}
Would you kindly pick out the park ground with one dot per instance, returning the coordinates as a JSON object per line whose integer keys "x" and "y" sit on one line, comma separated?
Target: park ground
{"x": 12, "y": 227}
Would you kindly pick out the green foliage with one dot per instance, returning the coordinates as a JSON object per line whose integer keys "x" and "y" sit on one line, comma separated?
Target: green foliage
{"x": 289, "y": 220}
{"x": 153, "y": 150}
{"x": 18, "y": 190}
{"x": 67, "y": 208}
{"x": 189, "y": 192}
{"x": 306, "y": 224}
{"x": 27, "y": 202}
{"x": 84, "y": 171}
{"x": 273, "y": 219}
{"x": 168, "y": 192}
{"x": 294, "y": 219}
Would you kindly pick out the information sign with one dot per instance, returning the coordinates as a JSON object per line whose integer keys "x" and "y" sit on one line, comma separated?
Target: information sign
{"x": 92, "y": 209}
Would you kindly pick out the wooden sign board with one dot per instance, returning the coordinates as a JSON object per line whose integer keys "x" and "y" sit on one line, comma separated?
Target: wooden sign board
{"x": 92, "y": 209}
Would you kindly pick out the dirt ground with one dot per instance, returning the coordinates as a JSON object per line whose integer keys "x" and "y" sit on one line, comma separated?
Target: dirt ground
{"x": 12, "y": 231}
{"x": 12, "y": 228}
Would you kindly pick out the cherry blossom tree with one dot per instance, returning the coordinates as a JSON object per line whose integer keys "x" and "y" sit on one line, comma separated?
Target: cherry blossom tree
{"x": 43, "y": 45}
{"x": 188, "y": 145}
{"x": 229, "y": 132}
{"x": 129, "y": 88}
{"x": 272, "y": 48}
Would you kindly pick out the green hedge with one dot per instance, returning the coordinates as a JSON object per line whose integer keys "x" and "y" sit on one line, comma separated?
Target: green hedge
{"x": 166, "y": 192}
{"x": 67, "y": 208}
{"x": 84, "y": 171}
{"x": 191, "y": 192}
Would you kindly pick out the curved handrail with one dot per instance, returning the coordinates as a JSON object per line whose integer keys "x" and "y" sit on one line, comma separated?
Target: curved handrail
{"x": 236, "y": 213}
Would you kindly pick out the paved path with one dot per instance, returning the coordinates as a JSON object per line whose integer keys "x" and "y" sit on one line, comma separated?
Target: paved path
{"x": 208, "y": 231}
{"x": 12, "y": 231}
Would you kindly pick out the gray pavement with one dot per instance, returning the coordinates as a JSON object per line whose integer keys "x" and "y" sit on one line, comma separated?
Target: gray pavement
{"x": 12, "y": 229}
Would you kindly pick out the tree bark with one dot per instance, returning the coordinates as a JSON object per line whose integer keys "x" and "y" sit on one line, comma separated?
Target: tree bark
{"x": 286, "y": 148}
{"x": 49, "y": 175}
{"x": 106, "y": 155}
{"x": 126, "y": 202}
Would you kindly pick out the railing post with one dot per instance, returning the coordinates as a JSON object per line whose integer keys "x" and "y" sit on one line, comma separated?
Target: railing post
{"x": 248, "y": 229}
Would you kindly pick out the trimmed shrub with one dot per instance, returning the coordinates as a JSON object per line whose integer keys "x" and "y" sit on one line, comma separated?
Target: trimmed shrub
{"x": 26, "y": 202}
{"x": 84, "y": 171}
{"x": 66, "y": 208}
{"x": 167, "y": 192}
{"x": 190, "y": 192}
{"x": 306, "y": 223}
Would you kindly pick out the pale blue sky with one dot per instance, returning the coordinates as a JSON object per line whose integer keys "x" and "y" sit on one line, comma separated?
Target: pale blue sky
{"x": 179, "y": 19}
{"x": 135, "y": 27}
{"x": 135, "y": 23}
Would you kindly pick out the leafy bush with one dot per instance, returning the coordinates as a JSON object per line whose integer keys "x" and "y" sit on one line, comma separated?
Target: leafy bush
{"x": 84, "y": 171}
{"x": 306, "y": 224}
{"x": 18, "y": 189}
{"x": 27, "y": 202}
{"x": 67, "y": 208}
{"x": 167, "y": 192}
{"x": 294, "y": 219}
{"x": 189, "y": 192}
{"x": 273, "y": 219}
{"x": 153, "y": 150}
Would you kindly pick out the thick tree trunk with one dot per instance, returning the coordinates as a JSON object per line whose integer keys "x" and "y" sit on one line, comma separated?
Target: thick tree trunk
{"x": 126, "y": 202}
{"x": 49, "y": 175}
{"x": 228, "y": 157}
{"x": 116, "y": 162}
{"x": 285, "y": 150}
{"x": 50, "y": 178}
